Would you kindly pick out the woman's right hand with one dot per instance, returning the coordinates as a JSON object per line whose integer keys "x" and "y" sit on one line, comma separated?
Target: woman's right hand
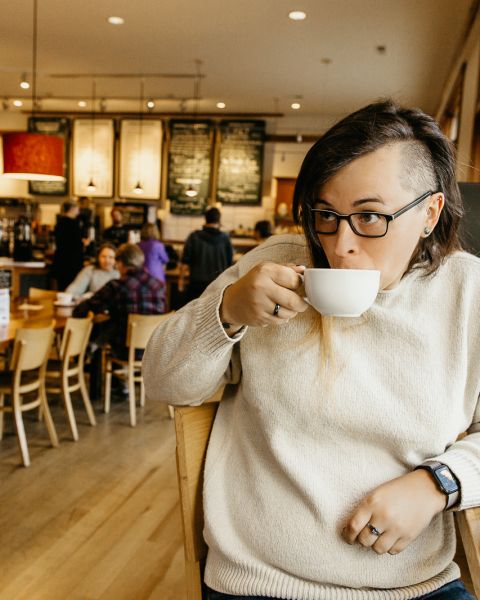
{"x": 251, "y": 300}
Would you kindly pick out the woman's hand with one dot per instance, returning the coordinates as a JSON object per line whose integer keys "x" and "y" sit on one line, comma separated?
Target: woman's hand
{"x": 399, "y": 509}
{"x": 251, "y": 300}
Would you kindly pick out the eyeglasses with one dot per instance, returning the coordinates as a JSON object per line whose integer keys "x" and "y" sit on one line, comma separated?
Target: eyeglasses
{"x": 365, "y": 224}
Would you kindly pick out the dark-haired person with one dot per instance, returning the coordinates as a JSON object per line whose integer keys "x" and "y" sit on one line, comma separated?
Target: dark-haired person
{"x": 135, "y": 292}
{"x": 68, "y": 257}
{"x": 334, "y": 463}
{"x": 93, "y": 277}
{"x": 262, "y": 230}
{"x": 206, "y": 254}
{"x": 117, "y": 233}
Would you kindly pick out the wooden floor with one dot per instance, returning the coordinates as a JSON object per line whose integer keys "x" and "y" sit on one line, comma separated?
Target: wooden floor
{"x": 96, "y": 519}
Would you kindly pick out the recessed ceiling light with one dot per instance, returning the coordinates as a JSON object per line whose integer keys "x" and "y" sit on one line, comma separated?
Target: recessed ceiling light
{"x": 82, "y": 104}
{"x": 150, "y": 104}
{"x": 297, "y": 15}
{"x": 116, "y": 20}
{"x": 23, "y": 82}
{"x": 17, "y": 103}
{"x": 295, "y": 105}
{"x": 221, "y": 105}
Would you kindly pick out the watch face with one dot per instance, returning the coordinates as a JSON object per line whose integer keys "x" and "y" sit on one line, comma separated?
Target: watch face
{"x": 446, "y": 480}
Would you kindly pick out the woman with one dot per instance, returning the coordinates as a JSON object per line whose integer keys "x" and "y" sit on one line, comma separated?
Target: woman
{"x": 156, "y": 256}
{"x": 93, "y": 277}
{"x": 312, "y": 486}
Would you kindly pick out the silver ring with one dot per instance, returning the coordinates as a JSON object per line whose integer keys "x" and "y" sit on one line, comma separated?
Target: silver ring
{"x": 373, "y": 530}
{"x": 276, "y": 309}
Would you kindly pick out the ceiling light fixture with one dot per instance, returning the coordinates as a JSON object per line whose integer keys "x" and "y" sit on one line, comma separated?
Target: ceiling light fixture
{"x": 33, "y": 156}
{"x": 221, "y": 105}
{"x": 191, "y": 191}
{"x": 91, "y": 187}
{"x": 150, "y": 104}
{"x": 297, "y": 15}
{"x": 116, "y": 20}
{"x": 82, "y": 104}
{"x": 296, "y": 105}
{"x": 23, "y": 82}
{"x": 17, "y": 103}
{"x": 138, "y": 189}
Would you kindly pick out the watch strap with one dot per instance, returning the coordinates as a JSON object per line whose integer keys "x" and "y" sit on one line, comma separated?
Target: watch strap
{"x": 434, "y": 465}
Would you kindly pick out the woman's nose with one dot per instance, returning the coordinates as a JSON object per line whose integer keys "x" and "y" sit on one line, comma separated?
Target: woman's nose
{"x": 346, "y": 241}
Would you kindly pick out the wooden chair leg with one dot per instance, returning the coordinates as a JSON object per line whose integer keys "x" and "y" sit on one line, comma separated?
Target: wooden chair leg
{"x": 67, "y": 401}
{"x": 108, "y": 386}
{"x": 21, "y": 437}
{"x": 52, "y": 433}
{"x": 40, "y": 414}
{"x": 2, "y": 404}
{"x": 131, "y": 397}
{"x": 86, "y": 399}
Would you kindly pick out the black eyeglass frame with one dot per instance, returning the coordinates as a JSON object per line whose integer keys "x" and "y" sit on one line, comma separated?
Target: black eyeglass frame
{"x": 389, "y": 217}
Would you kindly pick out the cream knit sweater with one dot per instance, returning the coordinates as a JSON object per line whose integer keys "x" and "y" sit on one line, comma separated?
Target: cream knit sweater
{"x": 292, "y": 453}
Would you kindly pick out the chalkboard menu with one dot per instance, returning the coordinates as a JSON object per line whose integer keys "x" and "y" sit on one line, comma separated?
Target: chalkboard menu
{"x": 189, "y": 166}
{"x": 61, "y": 128}
{"x": 241, "y": 162}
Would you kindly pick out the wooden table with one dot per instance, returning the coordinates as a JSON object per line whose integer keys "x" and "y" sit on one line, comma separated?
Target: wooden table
{"x": 33, "y": 318}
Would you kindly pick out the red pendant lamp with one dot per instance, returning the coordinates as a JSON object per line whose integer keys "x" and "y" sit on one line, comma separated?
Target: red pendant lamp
{"x": 33, "y": 156}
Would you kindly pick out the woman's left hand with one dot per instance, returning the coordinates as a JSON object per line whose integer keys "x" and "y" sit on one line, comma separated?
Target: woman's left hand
{"x": 399, "y": 510}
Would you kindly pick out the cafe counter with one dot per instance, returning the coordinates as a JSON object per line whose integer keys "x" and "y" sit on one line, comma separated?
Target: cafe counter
{"x": 19, "y": 276}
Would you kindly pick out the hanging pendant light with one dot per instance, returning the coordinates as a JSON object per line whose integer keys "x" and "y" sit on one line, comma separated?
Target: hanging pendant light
{"x": 33, "y": 156}
{"x": 91, "y": 187}
{"x": 138, "y": 189}
{"x": 191, "y": 192}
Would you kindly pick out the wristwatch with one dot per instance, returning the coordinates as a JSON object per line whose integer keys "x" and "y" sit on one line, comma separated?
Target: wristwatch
{"x": 444, "y": 478}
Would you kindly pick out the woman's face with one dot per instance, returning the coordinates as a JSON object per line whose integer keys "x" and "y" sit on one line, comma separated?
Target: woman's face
{"x": 106, "y": 259}
{"x": 374, "y": 183}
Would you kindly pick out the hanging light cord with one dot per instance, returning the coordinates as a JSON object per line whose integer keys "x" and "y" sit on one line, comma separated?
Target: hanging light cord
{"x": 34, "y": 58}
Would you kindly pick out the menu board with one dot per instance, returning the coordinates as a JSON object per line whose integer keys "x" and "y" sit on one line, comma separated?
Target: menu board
{"x": 241, "y": 162}
{"x": 189, "y": 166}
{"x": 61, "y": 128}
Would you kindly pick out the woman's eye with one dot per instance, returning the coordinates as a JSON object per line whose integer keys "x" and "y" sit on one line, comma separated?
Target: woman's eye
{"x": 368, "y": 218}
{"x": 326, "y": 217}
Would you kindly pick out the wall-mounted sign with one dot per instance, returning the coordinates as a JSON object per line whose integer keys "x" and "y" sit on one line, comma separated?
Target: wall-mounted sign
{"x": 59, "y": 127}
{"x": 93, "y": 148}
{"x": 140, "y": 159}
{"x": 241, "y": 162}
{"x": 189, "y": 166}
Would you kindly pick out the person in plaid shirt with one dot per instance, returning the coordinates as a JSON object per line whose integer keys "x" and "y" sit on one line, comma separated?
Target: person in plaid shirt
{"x": 135, "y": 292}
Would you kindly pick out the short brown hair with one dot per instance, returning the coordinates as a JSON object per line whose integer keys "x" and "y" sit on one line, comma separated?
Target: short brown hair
{"x": 149, "y": 231}
{"x": 131, "y": 256}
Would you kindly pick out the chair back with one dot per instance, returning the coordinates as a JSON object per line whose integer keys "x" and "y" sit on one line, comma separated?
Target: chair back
{"x": 75, "y": 337}
{"x": 141, "y": 327}
{"x": 32, "y": 347}
{"x": 192, "y": 427}
{"x": 37, "y": 294}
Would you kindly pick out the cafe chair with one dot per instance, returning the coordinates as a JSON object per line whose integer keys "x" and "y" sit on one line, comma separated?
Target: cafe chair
{"x": 139, "y": 330}
{"x": 27, "y": 375}
{"x": 37, "y": 294}
{"x": 193, "y": 425}
{"x": 66, "y": 375}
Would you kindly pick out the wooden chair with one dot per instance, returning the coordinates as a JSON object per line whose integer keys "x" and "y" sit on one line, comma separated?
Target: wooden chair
{"x": 68, "y": 371}
{"x": 37, "y": 294}
{"x": 26, "y": 375}
{"x": 192, "y": 427}
{"x": 139, "y": 330}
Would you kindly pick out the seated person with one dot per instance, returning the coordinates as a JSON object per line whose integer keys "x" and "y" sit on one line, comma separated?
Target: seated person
{"x": 135, "y": 292}
{"x": 93, "y": 277}
{"x": 262, "y": 230}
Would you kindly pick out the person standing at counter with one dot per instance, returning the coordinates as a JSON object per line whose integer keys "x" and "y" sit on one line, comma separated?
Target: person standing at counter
{"x": 206, "y": 254}
{"x": 117, "y": 233}
{"x": 156, "y": 256}
{"x": 68, "y": 257}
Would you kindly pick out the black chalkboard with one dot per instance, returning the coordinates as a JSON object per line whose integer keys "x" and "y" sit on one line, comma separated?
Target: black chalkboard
{"x": 5, "y": 278}
{"x": 189, "y": 166}
{"x": 470, "y": 223}
{"x": 241, "y": 162}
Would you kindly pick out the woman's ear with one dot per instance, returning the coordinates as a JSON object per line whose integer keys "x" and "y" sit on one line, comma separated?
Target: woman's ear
{"x": 434, "y": 210}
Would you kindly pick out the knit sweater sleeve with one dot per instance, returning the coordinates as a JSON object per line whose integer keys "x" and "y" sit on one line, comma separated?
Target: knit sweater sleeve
{"x": 463, "y": 458}
{"x": 190, "y": 355}
{"x": 81, "y": 283}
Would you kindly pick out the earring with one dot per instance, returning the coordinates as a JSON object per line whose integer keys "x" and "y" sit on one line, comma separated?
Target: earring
{"x": 427, "y": 231}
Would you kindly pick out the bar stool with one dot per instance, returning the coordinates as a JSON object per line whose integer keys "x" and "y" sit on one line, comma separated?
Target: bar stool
{"x": 70, "y": 365}
{"x": 30, "y": 354}
{"x": 139, "y": 330}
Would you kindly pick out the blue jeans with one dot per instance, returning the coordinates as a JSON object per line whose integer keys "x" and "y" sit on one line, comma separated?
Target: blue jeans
{"x": 451, "y": 591}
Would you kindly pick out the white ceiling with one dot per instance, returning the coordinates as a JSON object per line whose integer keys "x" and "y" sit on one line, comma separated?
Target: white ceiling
{"x": 251, "y": 52}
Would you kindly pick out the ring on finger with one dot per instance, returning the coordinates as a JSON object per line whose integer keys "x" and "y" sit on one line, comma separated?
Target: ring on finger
{"x": 374, "y": 530}
{"x": 276, "y": 309}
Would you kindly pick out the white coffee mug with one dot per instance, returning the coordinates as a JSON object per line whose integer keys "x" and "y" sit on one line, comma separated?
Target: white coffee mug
{"x": 64, "y": 298}
{"x": 341, "y": 292}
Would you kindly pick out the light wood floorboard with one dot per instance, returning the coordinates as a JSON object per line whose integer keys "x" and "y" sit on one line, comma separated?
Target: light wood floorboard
{"x": 94, "y": 520}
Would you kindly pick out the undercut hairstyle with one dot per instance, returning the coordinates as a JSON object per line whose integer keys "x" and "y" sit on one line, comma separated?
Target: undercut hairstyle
{"x": 212, "y": 216}
{"x": 131, "y": 256}
{"x": 428, "y": 163}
